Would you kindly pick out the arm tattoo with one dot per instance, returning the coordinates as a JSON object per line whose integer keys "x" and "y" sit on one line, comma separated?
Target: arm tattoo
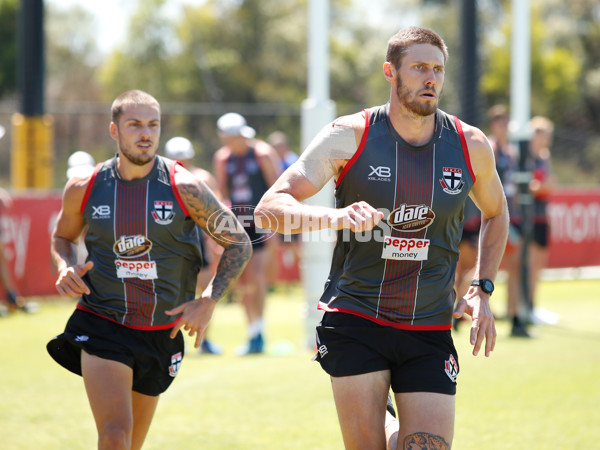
{"x": 223, "y": 227}
{"x": 425, "y": 441}
{"x": 232, "y": 262}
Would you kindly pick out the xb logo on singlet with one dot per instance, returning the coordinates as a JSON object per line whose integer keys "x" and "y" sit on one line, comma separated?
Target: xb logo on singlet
{"x": 223, "y": 226}
{"x": 100, "y": 212}
{"x": 380, "y": 173}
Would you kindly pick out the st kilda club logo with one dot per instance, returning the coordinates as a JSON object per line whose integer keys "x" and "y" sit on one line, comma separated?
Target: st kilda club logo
{"x": 452, "y": 181}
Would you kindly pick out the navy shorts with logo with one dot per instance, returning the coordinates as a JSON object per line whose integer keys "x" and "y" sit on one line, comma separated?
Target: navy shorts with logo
{"x": 419, "y": 361}
{"x": 154, "y": 357}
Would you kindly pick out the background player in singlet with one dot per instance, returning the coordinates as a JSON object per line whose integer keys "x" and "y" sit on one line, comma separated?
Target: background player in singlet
{"x": 245, "y": 168}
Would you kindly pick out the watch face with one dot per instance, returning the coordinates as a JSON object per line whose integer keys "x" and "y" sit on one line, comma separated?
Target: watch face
{"x": 487, "y": 286}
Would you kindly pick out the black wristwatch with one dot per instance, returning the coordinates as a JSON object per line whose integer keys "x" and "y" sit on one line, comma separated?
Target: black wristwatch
{"x": 485, "y": 284}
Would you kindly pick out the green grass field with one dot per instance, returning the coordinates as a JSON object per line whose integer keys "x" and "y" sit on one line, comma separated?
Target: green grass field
{"x": 542, "y": 393}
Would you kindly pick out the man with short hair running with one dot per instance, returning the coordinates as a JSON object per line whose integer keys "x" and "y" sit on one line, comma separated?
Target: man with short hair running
{"x": 403, "y": 171}
{"x": 137, "y": 288}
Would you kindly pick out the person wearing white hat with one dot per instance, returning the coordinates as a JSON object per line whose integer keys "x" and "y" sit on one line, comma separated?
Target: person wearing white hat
{"x": 181, "y": 149}
{"x": 81, "y": 164}
{"x": 234, "y": 124}
{"x": 245, "y": 168}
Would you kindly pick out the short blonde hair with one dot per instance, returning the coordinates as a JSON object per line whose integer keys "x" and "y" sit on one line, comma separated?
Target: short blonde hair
{"x": 540, "y": 123}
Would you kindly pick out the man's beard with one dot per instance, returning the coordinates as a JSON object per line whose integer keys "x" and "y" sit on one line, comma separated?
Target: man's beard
{"x": 138, "y": 160}
{"x": 414, "y": 105}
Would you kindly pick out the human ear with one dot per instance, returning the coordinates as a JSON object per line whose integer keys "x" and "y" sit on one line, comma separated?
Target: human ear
{"x": 388, "y": 70}
{"x": 113, "y": 130}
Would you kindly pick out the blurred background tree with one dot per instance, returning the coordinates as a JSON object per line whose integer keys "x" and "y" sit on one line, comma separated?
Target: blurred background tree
{"x": 250, "y": 56}
{"x": 8, "y": 49}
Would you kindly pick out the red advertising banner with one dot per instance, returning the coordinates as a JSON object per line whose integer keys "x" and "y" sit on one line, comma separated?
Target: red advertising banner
{"x": 574, "y": 218}
{"x": 25, "y": 228}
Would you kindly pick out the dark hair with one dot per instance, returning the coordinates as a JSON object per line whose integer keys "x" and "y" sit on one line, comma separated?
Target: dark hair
{"x": 497, "y": 112}
{"x": 133, "y": 97}
{"x": 400, "y": 42}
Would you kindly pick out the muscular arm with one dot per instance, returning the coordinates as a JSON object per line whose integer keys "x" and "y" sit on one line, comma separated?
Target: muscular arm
{"x": 204, "y": 208}
{"x": 63, "y": 249}
{"x": 488, "y": 195}
{"x": 323, "y": 159}
{"x": 210, "y": 214}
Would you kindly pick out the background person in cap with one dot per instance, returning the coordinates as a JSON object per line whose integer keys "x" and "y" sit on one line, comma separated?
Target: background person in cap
{"x": 182, "y": 150}
{"x": 245, "y": 168}
{"x": 81, "y": 164}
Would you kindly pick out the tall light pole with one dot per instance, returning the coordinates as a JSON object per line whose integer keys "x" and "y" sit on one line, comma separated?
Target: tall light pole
{"x": 520, "y": 112}
{"x": 317, "y": 111}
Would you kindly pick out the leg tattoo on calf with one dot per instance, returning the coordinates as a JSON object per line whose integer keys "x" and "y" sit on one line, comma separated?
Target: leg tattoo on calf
{"x": 425, "y": 441}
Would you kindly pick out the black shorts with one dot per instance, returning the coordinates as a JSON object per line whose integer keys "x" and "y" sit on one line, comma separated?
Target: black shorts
{"x": 154, "y": 357}
{"x": 257, "y": 238}
{"x": 419, "y": 361}
{"x": 540, "y": 234}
